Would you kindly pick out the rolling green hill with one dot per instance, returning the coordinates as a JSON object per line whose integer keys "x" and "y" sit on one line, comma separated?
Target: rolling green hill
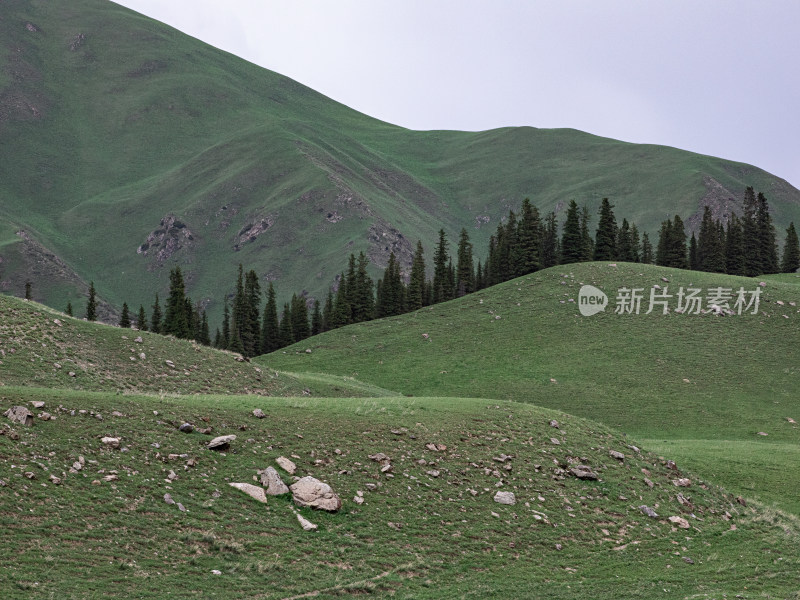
{"x": 128, "y": 147}
{"x": 699, "y": 386}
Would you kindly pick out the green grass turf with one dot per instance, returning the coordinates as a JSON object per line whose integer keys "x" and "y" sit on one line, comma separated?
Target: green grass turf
{"x": 417, "y": 535}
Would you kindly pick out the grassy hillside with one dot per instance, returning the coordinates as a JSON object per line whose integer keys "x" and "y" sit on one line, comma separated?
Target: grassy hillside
{"x": 425, "y": 530}
{"x": 700, "y": 386}
{"x": 113, "y": 123}
{"x": 40, "y": 347}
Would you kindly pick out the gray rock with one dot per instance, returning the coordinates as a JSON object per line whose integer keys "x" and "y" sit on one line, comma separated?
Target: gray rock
{"x": 37, "y": 404}
{"x": 168, "y": 499}
{"x": 111, "y": 442}
{"x": 683, "y": 482}
{"x": 505, "y": 498}
{"x": 305, "y": 523}
{"x": 554, "y": 423}
{"x": 186, "y": 428}
{"x": 316, "y": 494}
{"x": 271, "y": 480}
{"x": 287, "y": 465}
{"x": 648, "y": 511}
{"x": 20, "y": 414}
{"x": 259, "y": 414}
{"x": 251, "y": 490}
{"x": 583, "y": 472}
{"x": 680, "y": 522}
{"x": 222, "y": 442}
{"x": 617, "y": 455}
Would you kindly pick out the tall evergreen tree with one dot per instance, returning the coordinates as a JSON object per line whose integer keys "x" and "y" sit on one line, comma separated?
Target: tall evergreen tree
{"x": 91, "y": 304}
{"x": 647, "y": 250}
{"x": 416, "y": 282}
{"x": 141, "y": 319}
{"x": 155, "y": 317}
{"x": 226, "y": 325}
{"x": 710, "y": 246}
{"x": 586, "y": 237}
{"x": 363, "y": 298}
{"x": 465, "y": 269}
{"x": 735, "y": 262}
{"x": 605, "y": 243}
{"x": 390, "y": 299}
{"x": 177, "y": 318}
{"x": 205, "y": 335}
{"x": 677, "y": 252}
{"x": 528, "y": 239}
{"x": 572, "y": 242}
{"x": 251, "y": 328}
{"x": 218, "y": 340}
{"x": 479, "y": 277}
{"x": 790, "y": 262}
{"x": 299, "y": 315}
{"x": 69, "y": 309}
{"x": 549, "y": 253}
{"x": 635, "y": 244}
{"x": 125, "y": 317}
{"x": 270, "y": 330}
{"x": 327, "y": 312}
{"x": 768, "y": 249}
{"x": 694, "y": 257}
{"x": 751, "y": 239}
{"x": 441, "y": 280}
{"x": 286, "y": 337}
{"x": 239, "y": 315}
{"x": 28, "y": 290}
{"x": 625, "y": 251}
{"x": 316, "y": 318}
{"x": 662, "y": 250}
{"x": 341, "y": 305}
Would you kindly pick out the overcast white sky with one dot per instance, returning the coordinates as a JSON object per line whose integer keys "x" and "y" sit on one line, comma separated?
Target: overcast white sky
{"x": 718, "y": 77}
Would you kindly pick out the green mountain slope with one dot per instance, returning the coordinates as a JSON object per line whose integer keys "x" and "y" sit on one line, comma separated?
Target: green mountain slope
{"x": 701, "y": 386}
{"x": 129, "y": 147}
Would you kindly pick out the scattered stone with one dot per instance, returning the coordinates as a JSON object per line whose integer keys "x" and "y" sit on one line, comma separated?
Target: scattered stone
{"x": 583, "y": 472}
{"x": 688, "y": 560}
{"x": 181, "y": 507}
{"x": 680, "y": 522}
{"x": 762, "y": 433}
{"x": 259, "y": 414}
{"x": 287, "y": 465}
{"x": 72, "y": 373}
{"x": 271, "y": 479}
{"x": 379, "y": 457}
{"x": 111, "y": 441}
{"x": 168, "y": 499}
{"x": 20, "y": 414}
{"x": 617, "y": 455}
{"x": 495, "y": 515}
{"x": 433, "y": 473}
{"x": 741, "y": 500}
{"x": 116, "y": 413}
{"x": 502, "y": 458}
{"x": 112, "y": 477}
{"x": 45, "y": 416}
{"x": 395, "y": 526}
{"x": 791, "y": 420}
{"x": 505, "y": 498}
{"x": 221, "y": 443}
{"x": 37, "y": 404}
{"x": 436, "y": 447}
{"x": 648, "y": 511}
{"x": 186, "y": 428}
{"x": 55, "y": 480}
{"x": 172, "y": 475}
{"x": 554, "y": 423}
{"x": 216, "y": 572}
{"x": 665, "y": 280}
{"x": 762, "y": 283}
{"x": 358, "y": 500}
{"x": 316, "y": 494}
{"x": 30, "y": 475}
{"x": 3, "y": 483}
{"x": 671, "y": 465}
{"x": 251, "y": 490}
{"x": 682, "y": 482}
{"x": 305, "y": 523}
{"x": 555, "y": 441}
{"x": 139, "y": 340}
{"x": 387, "y": 468}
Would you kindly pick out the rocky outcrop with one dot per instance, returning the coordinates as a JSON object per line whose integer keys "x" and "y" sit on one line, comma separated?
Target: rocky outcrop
{"x": 314, "y": 493}
{"x": 163, "y": 242}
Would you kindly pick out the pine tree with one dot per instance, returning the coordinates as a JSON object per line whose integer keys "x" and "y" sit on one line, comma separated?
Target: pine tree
{"x": 390, "y": 299}
{"x": 205, "y": 336}
{"x": 710, "y": 247}
{"x": 694, "y": 258}
{"x": 441, "y": 285}
{"x": 236, "y": 343}
{"x": 299, "y": 315}
{"x": 270, "y": 330}
{"x": 647, "y": 250}
{"x": 677, "y": 254}
{"x": 177, "y": 319}
{"x": 735, "y": 263}
{"x": 605, "y": 243}
{"x": 155, "y": 318}
{"x": 510, "y": 259}
{"x": 340, "y": 315}
{"x": 549, "y": 251}
{"x": 28, "y": 290}
{"x": 251, "y": 328}
{"x": 465, "y": 269}
{"x": 416, "y": 282}
{"x": 635, "y": 244}
{"x": 662, "y": 250}
{"x": 141, "y": 319}
{"x": 239, "y": 314}
{"x": 529, "y": 233}
{"x": 791, "y": 251}
{"x": 625, "y": 243}
{"x": 327, "y": 312}
{"x": 572, "y": 243}
{"x": 226, "y": 325}
{"x": 586, "y": 237}
{"x": 91, "y": 305}
{"x": 750, "y": 235}
{"x": 363, "y": 299}
{"x": 69, "y": 309}
{"x": 218, "y": 339}
{"x": 479, "y": 277}
{"x": 125, "y": 317}
{"x": 768, "y": 249}
{"x": 285, "y": 335}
